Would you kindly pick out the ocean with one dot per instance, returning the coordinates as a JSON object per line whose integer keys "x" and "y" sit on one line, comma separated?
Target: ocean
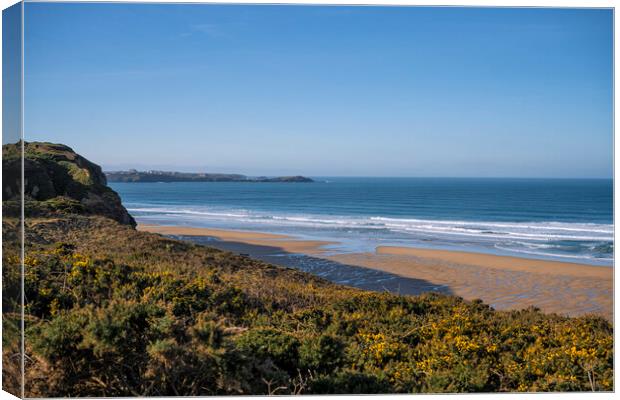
{"x": 559, "y": 219}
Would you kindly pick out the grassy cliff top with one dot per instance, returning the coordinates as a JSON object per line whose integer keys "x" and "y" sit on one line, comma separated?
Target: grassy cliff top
{"x": 58, "y": 180}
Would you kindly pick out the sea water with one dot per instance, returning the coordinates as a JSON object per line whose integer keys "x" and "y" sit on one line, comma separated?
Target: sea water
{"x": 559, "y": 219}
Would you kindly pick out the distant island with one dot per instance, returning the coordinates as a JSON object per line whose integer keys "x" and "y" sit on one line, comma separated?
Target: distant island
{"x": 133, "y": 175}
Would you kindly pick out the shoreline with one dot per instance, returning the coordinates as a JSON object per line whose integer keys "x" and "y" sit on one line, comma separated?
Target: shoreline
{"x": 285, "y": 242}
{"x": 504, "y": 282}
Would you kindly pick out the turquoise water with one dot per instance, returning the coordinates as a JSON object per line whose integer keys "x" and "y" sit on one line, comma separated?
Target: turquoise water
{"x": 561, "y": 219}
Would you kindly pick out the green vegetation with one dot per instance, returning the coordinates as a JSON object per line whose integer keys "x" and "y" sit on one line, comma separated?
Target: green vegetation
{"x": 55, "y": 176}
{"x": 113, "y": 311}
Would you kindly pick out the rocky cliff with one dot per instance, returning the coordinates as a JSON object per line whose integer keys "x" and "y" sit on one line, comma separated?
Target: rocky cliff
{"x": 57, "y": 179}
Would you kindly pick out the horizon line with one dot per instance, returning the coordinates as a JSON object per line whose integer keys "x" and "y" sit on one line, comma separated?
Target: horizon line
{"x": 369, "y": 176}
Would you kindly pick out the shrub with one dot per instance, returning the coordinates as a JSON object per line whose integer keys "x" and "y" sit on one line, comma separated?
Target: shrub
{"x": 124, "y": 313}
{"x": 277, "y": 346}
{"x": 322, "y": 354}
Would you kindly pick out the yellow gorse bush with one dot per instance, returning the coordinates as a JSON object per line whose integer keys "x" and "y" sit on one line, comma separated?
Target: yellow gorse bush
{"x": 171, "y": 309}
{"x": 378, "y": 347}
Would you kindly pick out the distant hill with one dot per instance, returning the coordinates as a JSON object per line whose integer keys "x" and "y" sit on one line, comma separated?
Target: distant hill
{"x": 170, "y": 176}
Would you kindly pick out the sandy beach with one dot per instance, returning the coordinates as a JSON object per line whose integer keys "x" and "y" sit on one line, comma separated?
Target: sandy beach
{"x": 286, "y": 243}
{"x": 501, "y": 281}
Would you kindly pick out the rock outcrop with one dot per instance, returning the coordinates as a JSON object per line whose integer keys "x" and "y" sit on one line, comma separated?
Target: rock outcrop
{"x": 58, "y": 179}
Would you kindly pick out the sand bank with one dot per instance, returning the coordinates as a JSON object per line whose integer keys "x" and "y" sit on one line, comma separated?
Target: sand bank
{"x": 501, "y": 281}
{"x": 501, "y": 262}
{"x": 509, "y": 284}
{"x": 284, "y": 242}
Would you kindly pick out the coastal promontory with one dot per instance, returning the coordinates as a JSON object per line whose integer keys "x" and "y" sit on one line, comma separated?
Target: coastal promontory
{"x": 56, "y": 178}
{"x": 133, "y": 175}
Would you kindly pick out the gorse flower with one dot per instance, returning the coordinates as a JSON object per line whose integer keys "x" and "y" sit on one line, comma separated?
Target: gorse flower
{"x": 207, "y": 331}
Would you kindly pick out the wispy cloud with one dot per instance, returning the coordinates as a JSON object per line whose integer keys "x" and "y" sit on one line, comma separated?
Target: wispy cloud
{"x": 214, "y": 30}
{"x": 209, "y": 29}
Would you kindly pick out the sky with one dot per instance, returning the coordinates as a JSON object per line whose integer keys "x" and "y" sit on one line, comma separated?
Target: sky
{"x": 324, "y": 90}
{"x": 11, "y": 73}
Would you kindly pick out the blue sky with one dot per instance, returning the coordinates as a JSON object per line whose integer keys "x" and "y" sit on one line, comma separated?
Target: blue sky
{"x": 11, "y": 72}
{"x": 324, "y": 91}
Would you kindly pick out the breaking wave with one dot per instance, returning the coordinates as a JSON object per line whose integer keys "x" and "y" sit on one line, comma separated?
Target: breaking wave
{"x": 547, "y": 239}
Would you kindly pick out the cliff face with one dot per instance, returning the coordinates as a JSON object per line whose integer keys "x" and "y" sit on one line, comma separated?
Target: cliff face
{"x": 57, "y": 179}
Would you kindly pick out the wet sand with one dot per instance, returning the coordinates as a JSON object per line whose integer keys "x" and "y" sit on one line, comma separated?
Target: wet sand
{"x": 501, "y": 281}
{"x": 286, "y": 243}
{"x": 501, "y": 262}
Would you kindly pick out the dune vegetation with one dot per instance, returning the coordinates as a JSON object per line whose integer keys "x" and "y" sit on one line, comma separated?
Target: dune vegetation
{"x": 112, "y": 311}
